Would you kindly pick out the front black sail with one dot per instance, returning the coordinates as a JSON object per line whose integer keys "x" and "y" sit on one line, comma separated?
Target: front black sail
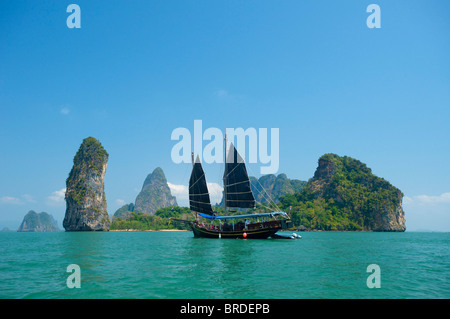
{"x": 238, "y": 192}
{"x": 198, "y": 190}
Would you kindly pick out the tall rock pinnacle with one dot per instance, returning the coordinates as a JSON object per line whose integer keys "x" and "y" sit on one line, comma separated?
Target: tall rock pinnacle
{"x": 85, "y": 195}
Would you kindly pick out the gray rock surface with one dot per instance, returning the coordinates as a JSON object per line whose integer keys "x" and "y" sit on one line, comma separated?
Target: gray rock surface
{"x": 85, "y": 196}
{"x": 155, "y": 194}
{"x": 34, "y": 222}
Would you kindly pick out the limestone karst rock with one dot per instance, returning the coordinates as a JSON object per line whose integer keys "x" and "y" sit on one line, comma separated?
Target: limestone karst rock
{"x": 369, "y": 201}
{"x": 269, "y": 188}
{"x": 34, "y": 222}
{"x": 85, "y": 196}
{"x": 155, "y": 194}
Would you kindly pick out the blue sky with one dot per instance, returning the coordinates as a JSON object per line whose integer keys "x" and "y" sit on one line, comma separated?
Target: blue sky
{"x": 136, "y": 70}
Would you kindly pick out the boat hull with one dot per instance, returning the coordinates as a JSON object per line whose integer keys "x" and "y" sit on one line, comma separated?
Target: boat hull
{"x": 261, "y": 233}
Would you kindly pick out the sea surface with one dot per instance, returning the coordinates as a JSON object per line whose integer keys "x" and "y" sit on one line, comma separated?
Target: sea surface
{"x": 177, "y": 265}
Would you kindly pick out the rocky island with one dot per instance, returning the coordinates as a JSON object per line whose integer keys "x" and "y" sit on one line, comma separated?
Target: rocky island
{"x": 153, "y": 207}
{"x": 85, "y": 195}
{"x": 34, "y": 222}
{"x": 345, "y": 195}
{"x": 272, "y": 187}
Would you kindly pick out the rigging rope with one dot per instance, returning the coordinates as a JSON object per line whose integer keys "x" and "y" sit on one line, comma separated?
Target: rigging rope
{"x": 271, "y": 201}
{"x": 234, "y": 168}
{"x": 197, "y": 180}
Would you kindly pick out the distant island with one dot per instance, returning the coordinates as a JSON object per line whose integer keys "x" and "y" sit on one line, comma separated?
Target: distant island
{"x": 152, "y": 209}
{"x": 271, "y": 187}
{"x": 34, "y": 222}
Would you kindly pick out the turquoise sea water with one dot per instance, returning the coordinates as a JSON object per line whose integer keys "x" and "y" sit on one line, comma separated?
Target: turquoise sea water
{"x": 177, "y": 265}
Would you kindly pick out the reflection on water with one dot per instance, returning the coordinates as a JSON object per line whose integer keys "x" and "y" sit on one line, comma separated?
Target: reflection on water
{"x": 89, "y": 251}
{"x": 85, "y": 249}
{"x": 237, "y": 261}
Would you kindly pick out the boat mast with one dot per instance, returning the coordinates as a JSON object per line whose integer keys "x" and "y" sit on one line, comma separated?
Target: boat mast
{"x": 193, "y": 163}
{"x": 225, "y": 177}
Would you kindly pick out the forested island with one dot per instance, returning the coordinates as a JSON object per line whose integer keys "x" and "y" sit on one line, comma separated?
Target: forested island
{"x": 160, "y": 220}
{"x": 345, "y": 195}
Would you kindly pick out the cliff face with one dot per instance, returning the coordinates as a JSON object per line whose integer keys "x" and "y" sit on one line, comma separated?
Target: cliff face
{"x": 155, "y": 194}
{"x": 392, "y": 218}
{"x": 34, "y": 222}
{"x": 369, "y": 201}
{"x": 85, "y": 196}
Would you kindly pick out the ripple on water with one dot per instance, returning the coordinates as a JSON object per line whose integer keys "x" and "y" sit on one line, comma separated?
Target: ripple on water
{"x": 176, "y": 265}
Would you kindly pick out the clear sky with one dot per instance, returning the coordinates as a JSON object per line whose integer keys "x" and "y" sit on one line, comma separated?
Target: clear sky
{"x": 136, "y": 70}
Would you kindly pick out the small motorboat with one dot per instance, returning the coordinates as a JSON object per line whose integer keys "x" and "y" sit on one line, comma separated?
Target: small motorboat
{"x": 286, "y": 236}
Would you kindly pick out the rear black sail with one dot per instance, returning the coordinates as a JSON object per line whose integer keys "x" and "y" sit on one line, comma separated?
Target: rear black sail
{"x": 198, "y": 190}
{"x": 238, "y": 192}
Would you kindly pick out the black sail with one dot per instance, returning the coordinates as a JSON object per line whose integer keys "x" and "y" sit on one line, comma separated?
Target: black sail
{"x": 238, "y": 192}
{"x": 198, "y": 190}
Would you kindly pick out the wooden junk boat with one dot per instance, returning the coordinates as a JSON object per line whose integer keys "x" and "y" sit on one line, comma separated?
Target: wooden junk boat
{"x": 237, "y": 194}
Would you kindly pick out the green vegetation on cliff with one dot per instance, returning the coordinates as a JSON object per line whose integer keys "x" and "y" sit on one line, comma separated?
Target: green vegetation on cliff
{"x": 157, "y": 221}
{"x": 90, "y": 156}
{"x": 345, "y": 195}
{"x": 92, "y": 153}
